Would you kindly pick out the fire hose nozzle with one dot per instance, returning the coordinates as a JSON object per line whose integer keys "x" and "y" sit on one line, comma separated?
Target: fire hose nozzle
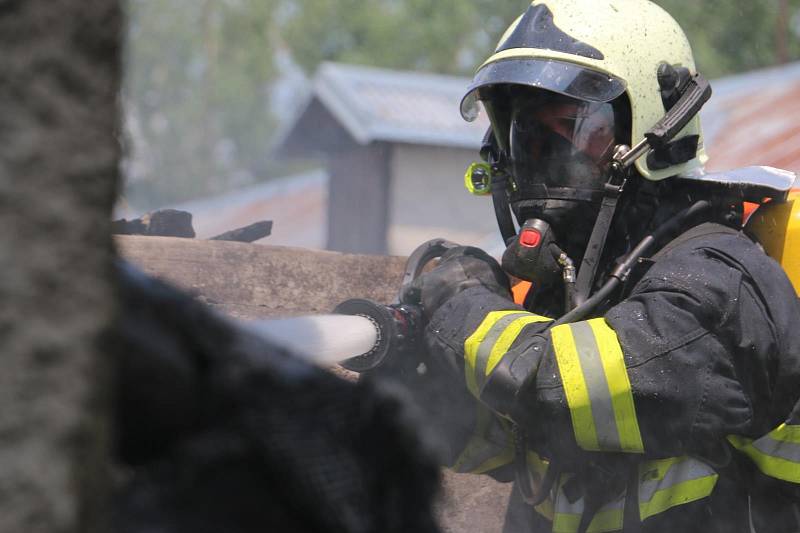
{"x": 397, "y": 327}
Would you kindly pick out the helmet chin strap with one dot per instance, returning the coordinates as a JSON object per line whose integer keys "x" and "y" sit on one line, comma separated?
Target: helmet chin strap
{"x": 594, "y": 249}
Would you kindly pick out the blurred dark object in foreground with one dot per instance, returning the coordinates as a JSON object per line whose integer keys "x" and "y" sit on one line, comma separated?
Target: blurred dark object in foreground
{"x": 163, "y": 223}
{"x": 223, "y": 431}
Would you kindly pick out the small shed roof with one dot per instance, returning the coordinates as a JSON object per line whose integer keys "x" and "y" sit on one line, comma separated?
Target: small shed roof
{"x": 379, "y": 105}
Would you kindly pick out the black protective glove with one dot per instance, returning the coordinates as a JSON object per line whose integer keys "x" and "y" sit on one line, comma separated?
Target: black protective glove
{"x": 451, "y": 409}
{"x": 459, "y": 269}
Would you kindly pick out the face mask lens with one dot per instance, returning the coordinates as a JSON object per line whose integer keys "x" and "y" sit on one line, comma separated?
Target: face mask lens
{"x": 561, "y": 143}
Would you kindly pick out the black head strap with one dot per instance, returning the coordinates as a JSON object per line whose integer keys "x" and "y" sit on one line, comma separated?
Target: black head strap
{"x": 490, "y": 153}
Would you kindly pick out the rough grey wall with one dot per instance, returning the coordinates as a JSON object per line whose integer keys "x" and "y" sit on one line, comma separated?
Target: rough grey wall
{"x": 59, "y": 80}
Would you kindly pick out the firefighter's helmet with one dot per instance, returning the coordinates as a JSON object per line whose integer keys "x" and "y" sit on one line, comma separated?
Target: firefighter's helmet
{"x": 598, "y": 53}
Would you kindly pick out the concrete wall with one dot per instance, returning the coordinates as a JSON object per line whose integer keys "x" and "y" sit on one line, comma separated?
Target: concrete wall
{"x": 428, "y": 199}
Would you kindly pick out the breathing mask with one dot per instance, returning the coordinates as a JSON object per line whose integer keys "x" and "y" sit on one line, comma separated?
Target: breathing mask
{"x": 556, "y": 151}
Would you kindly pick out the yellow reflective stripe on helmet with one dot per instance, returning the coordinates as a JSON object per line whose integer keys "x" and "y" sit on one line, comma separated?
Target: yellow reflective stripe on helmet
{"x": 484, "y": 349}
{"x": 597, "y": 387}
{"x": 666, "y": 483}
{"x": 490, "y": 447}
{"x": 568, "y": 514}
{"x": 776, "y": 454}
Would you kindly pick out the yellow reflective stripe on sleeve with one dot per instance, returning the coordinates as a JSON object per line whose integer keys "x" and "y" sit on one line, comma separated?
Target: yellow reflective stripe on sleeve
{"x": 485, "y": 348}
{"x": 597, "y": 387}
{"x": 603, "y": 522}
{"x": 666, "y": 483}
{"x": 569, "y": 365}
{"x": 508, "y": 337}
{"x": 538, "y": 467}
{"x": 776, "y": 454}
{"x": 663, "y": 484}
{"x": 568, "y": 515}
{"x": 490, "y": 447}
{"x": 619, "y": 386}
{"x": 474, "y": 341}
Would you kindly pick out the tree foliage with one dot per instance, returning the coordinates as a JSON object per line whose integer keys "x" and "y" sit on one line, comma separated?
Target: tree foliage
{"x": 448, "y": 36}
{"x": 735, "y": 36}
{"x": 200, "y": 71}
{"x": 196, "y": 95}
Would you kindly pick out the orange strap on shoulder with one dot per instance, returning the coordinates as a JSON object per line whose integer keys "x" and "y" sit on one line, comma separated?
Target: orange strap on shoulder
{"x": 520, "y": 291}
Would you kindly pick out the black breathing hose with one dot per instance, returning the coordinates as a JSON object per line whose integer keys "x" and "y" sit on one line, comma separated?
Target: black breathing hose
{"x": 621, "y": 272}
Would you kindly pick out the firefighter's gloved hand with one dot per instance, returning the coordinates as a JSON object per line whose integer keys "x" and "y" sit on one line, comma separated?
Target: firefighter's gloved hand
{"x": 459, "y": 269}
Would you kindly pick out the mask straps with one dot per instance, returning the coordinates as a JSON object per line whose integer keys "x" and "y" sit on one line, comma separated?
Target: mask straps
{"x": 502, "y": 211}
{"x": 594, "y": 249}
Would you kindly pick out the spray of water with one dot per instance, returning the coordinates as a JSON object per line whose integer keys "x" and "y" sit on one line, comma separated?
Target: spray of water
{"x": 321, "y": 339}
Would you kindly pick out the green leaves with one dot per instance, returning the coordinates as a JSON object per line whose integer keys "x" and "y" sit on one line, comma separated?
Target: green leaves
{"x": 197, "y": 92}
{"x": 199, "y": 72}
{"x": 448, "y": 36}
{"x": 733, "y": 36}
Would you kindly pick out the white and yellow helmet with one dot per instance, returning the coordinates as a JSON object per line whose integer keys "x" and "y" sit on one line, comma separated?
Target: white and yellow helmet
{"x": 595, "y": 51}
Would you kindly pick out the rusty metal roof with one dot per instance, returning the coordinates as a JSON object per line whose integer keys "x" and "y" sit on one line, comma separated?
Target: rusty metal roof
{"x": 297, "y": 205}
{"x": 752, "y": 120}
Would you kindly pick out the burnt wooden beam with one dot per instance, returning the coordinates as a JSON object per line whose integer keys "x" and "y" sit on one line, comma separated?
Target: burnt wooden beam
{"x": 161, "y": 223}
{"x": 250, "y": 233}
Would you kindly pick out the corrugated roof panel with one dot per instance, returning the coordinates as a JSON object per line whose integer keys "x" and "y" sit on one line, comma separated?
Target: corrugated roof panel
{"x": 392, "y": 106}
{"x": 752, "y": 120}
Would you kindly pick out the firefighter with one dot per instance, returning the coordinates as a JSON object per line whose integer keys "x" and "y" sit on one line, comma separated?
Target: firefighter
{"x": 657, "y": 389}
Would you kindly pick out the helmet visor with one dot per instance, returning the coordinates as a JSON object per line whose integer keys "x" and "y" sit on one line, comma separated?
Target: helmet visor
{"x": 560, "y": 143}
{"x": 559, "y": 77}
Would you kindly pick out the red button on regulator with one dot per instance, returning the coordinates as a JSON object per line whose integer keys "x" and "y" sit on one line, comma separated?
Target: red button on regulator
{"x": 530, "y": 238}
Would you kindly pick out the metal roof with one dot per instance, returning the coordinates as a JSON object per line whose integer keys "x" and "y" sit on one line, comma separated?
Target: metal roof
{"x": 749, "y": 120}
{"x": 374, "y": 104}
{"x": 752, "y": 119}
{"x": 295, "y": 204}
